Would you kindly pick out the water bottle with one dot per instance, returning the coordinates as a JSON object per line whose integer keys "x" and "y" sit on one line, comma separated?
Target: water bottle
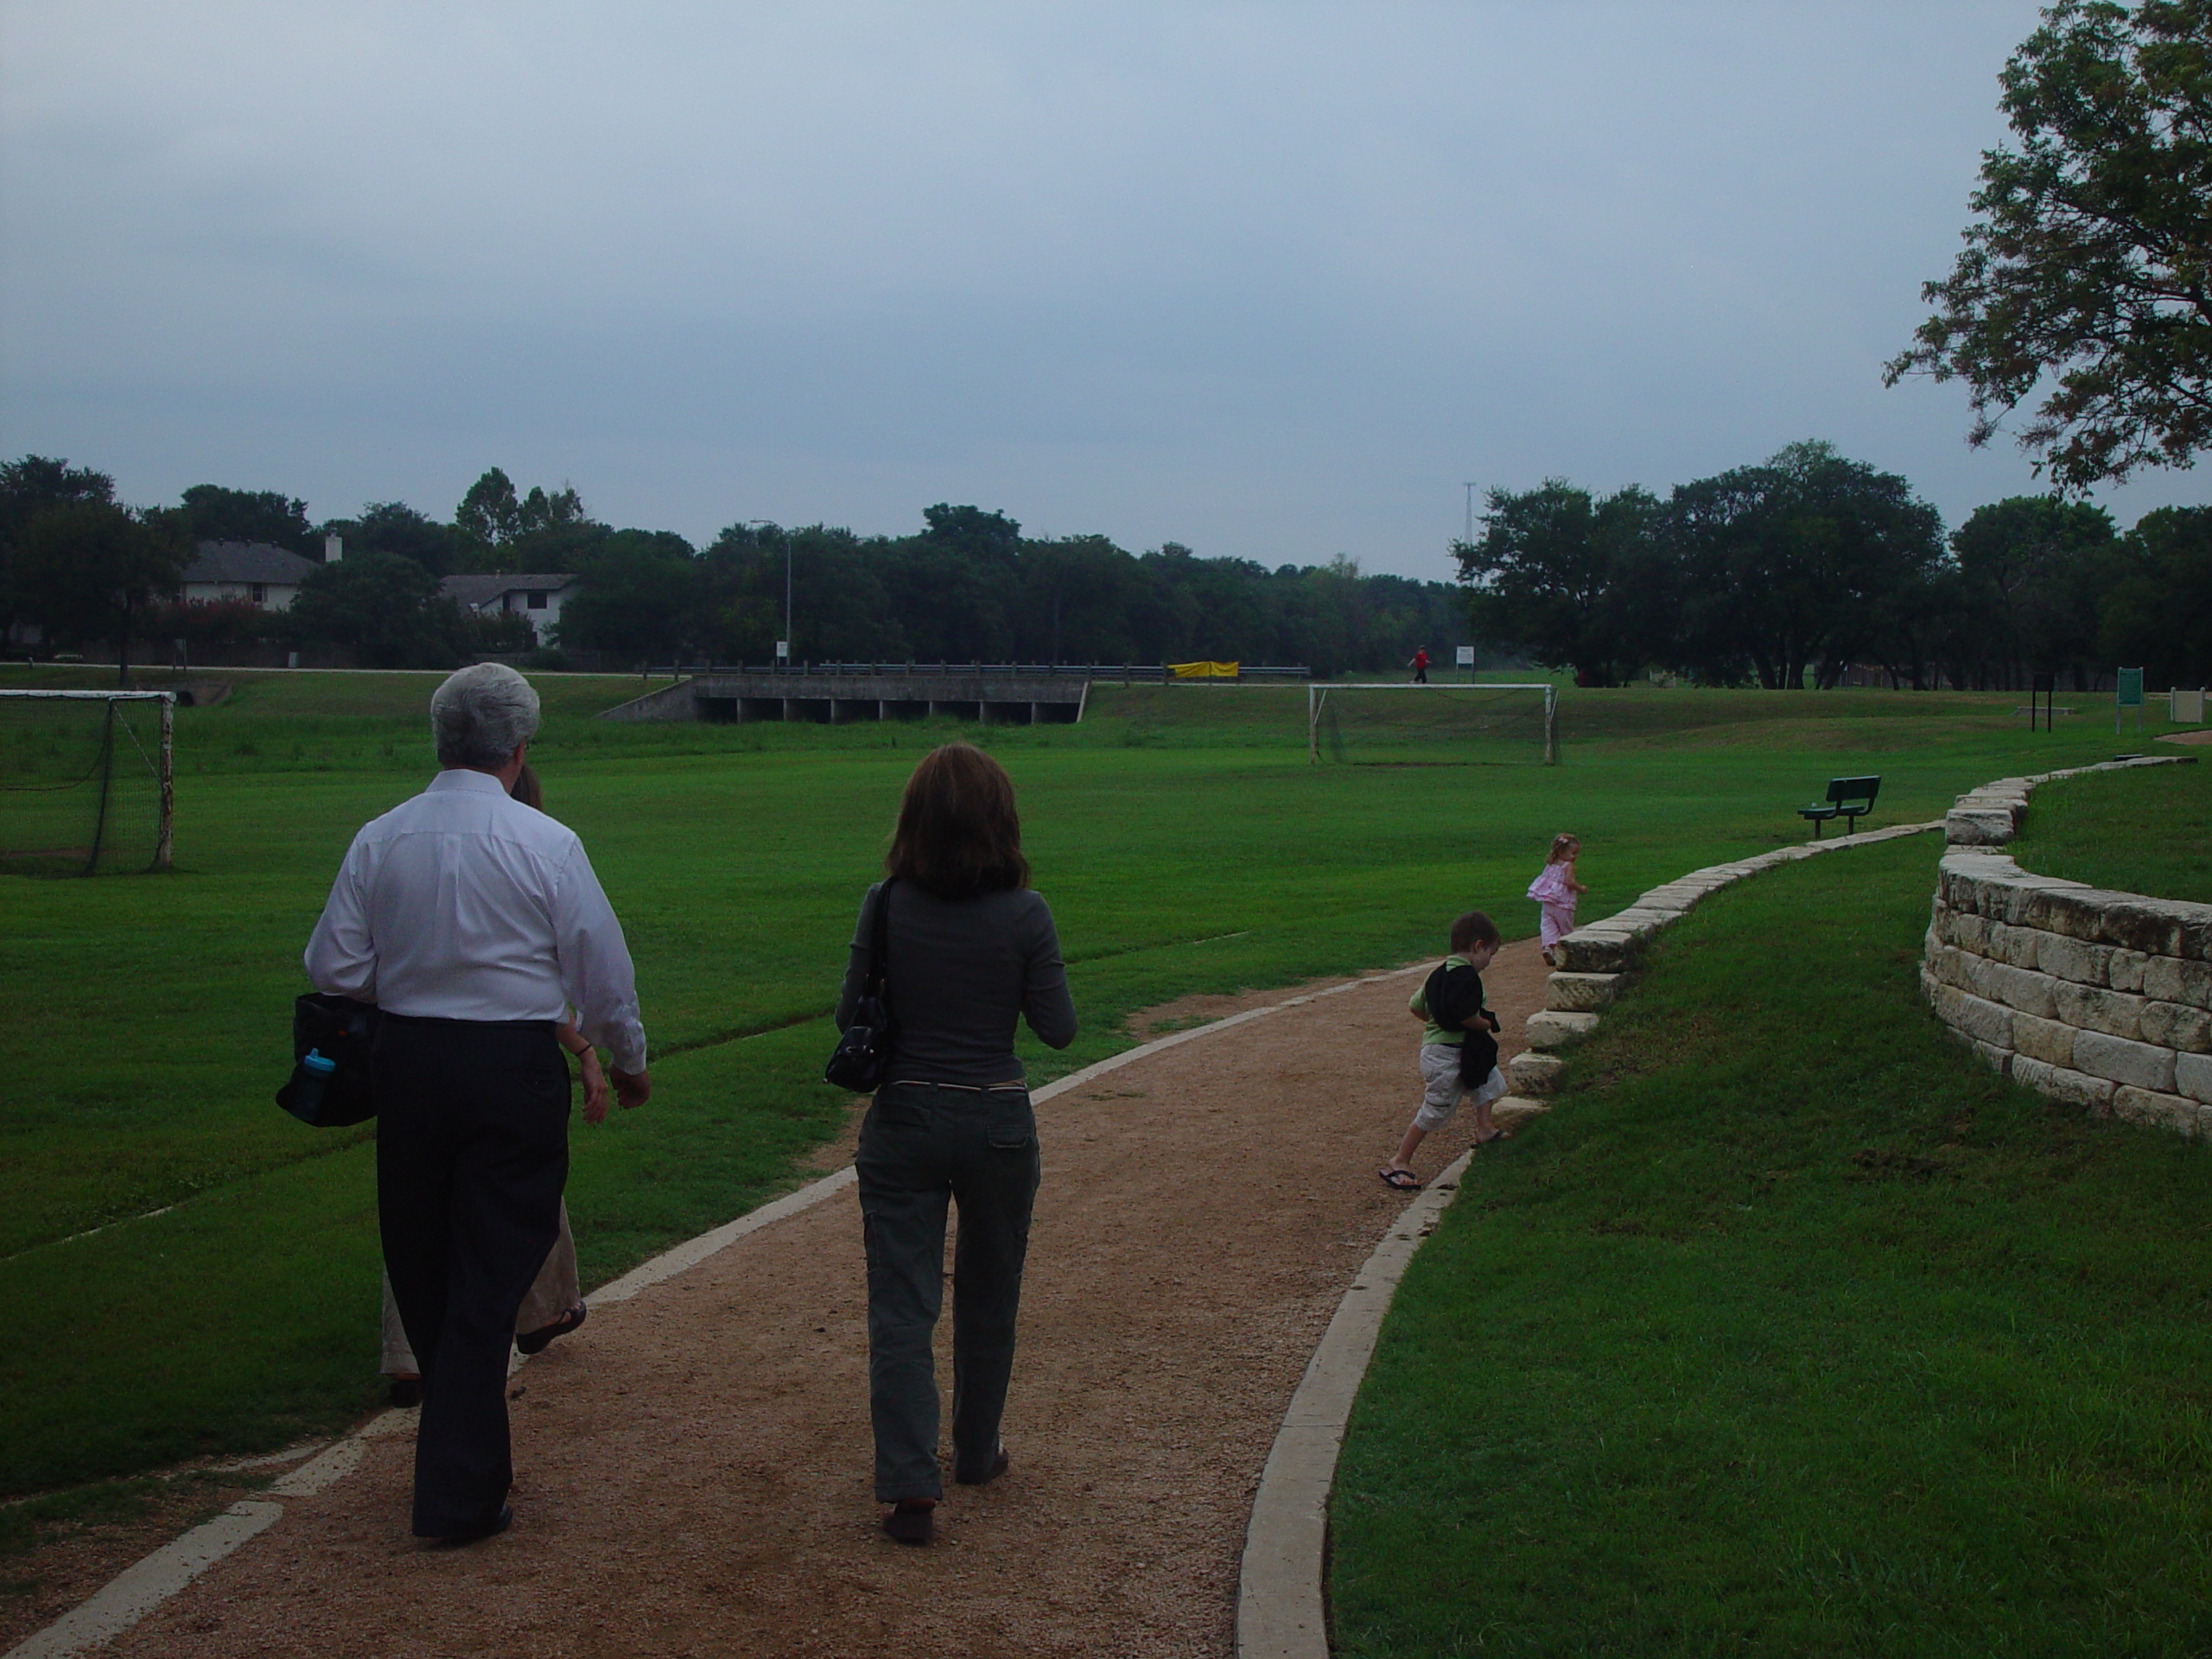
{"x": 308, "y": 1084}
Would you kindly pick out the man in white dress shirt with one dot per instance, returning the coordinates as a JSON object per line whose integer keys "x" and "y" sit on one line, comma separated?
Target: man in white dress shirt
{"x": 474, "y": 923}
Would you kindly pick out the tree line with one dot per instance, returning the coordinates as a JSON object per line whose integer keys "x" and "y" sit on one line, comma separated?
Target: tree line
{"x": 967, "y": 586}
{"x": 1795, "y": 570}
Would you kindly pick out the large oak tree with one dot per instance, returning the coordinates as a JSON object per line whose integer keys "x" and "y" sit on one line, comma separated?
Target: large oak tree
{"x": 2085, "y": 276}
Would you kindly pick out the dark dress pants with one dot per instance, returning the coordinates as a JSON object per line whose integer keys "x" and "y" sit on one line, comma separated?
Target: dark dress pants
{"x": 472, "y": 1153}
{"x": 923, "y": 1145}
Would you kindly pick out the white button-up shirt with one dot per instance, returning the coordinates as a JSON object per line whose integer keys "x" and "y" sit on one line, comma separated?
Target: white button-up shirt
{"x": 464, "y": 904}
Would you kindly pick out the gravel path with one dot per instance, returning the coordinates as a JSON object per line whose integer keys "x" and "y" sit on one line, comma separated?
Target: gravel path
{"x": 693, "y": 1464}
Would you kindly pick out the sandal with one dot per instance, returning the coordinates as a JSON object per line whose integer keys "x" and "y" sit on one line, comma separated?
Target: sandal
{"x": 1400, "y": 1181}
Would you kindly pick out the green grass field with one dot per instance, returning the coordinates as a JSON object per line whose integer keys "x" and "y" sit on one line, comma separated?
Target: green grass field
{"x": 1793, "y": 1330}
{"x": 1183, "y": 840}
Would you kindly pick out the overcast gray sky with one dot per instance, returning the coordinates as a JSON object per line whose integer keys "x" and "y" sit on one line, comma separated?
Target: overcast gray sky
{"x": 1273, "y": 279}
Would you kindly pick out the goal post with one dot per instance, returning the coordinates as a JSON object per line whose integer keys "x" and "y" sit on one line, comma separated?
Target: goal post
{"x": 87, "y": 781}
{"x": 1472, "y": 711}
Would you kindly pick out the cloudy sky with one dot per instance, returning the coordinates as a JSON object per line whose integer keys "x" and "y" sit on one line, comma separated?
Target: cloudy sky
{"x": 1273, "y": 279}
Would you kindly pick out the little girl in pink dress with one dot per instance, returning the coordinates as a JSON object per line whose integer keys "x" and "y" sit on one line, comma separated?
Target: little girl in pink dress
{"x": 1555, "y": 890}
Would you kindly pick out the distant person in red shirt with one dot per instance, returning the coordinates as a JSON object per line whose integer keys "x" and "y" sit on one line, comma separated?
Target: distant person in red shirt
{"x": 1420, "y": 665}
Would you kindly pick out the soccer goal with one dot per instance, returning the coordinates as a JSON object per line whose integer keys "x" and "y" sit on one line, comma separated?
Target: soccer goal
{"x": 1399, "y": 722}
{"x": 86, "y": 782}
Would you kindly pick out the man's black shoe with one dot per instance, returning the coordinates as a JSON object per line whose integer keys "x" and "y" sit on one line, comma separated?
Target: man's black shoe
{"x": 492, "y": 1528}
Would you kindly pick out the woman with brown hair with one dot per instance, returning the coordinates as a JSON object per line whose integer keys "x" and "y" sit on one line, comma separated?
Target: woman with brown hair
{"x": 969, "y": 949}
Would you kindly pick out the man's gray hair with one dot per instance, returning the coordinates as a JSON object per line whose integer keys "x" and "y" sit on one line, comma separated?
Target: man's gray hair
{"x": 480, "y": 715}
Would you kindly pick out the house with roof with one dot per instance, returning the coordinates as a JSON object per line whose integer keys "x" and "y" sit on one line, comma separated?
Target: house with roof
{"x": 537, "y": 597}
{"x": 264, "y": 574}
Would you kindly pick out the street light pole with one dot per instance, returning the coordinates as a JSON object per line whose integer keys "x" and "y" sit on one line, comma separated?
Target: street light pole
{"x": 1471, "y": 515}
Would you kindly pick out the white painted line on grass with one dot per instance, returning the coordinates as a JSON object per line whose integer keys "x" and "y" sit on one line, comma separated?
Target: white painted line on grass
{"x": 142, "y": 1588}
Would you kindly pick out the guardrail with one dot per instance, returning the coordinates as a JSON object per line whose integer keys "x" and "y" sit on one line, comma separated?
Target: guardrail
{"x": 1125, "y": 673}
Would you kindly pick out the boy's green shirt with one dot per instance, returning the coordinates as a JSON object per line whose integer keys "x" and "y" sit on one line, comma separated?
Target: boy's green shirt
{"x": 1419, "y": 1003}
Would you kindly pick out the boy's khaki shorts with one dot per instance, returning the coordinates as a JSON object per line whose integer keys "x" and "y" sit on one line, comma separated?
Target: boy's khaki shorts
{"x": 1441, "y": 1087}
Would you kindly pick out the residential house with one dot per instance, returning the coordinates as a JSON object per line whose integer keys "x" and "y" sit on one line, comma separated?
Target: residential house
{"x": 537, "y": 597}
{"x": 267, "y": 575}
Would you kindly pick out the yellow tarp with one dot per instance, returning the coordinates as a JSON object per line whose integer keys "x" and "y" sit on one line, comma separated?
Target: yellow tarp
{"x": 1203, "y": 670}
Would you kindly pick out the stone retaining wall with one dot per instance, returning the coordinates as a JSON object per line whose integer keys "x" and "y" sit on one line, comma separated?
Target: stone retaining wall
{"x": 2101, "y": 1000}
{"x": 1592, "y": 959}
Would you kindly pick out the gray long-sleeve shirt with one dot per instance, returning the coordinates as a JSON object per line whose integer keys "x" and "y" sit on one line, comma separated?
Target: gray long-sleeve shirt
{"x": 961, "y": 973}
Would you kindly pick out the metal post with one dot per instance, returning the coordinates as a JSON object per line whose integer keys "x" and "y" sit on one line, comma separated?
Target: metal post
{"x": 165, "y": 844}
{"x": 1551, "y": 725}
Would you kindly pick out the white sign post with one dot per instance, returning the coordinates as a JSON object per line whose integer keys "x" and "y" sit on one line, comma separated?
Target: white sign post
{"x": 1464, "y": 657}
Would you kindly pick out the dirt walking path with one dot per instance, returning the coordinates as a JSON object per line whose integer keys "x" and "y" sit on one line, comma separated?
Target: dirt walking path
{"x": 693, "y": 1466}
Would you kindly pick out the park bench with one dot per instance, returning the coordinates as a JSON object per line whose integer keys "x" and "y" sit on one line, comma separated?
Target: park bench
{"x": 1849, "y": 799}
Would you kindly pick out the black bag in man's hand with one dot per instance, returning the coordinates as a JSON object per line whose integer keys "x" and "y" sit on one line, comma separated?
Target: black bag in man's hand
{"x": 861, "y": 1061}
{"x": 329, "y": 1085}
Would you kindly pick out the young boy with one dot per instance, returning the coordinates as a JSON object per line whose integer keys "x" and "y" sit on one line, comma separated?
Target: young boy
{"x": 1459, "y": 1052}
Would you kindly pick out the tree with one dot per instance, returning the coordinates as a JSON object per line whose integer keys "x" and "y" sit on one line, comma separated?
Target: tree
{"x": 490, "y": 515}
{"x": 502, "y": 532}
{"x": 395, "y": 527}
{"x": 2089, "y": 261}
{"x": 2158, "y": 615}
{"x": 27, "y": 487}
{"x": 1568, "y": 575}
{"x": 987, "y": 535}
{"x": 90, "y": 568}
{"x": 643, "y": 596}
{"x": 384, "y": 605}
{"x": 212, "y": 513}
{"x": 1796, "y": 563}
{"x": 2034, "y": 570}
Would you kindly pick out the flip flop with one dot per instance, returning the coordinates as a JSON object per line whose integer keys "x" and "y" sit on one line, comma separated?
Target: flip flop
{"x": 1400, "y": 1181}
{"x": 1495, "y": 1135}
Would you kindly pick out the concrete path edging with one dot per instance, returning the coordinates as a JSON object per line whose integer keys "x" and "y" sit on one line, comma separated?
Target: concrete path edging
{"x": 1281, "y": 1599}
{"x": 1281, "y": 1611}
{"x": 140, "y": 1588}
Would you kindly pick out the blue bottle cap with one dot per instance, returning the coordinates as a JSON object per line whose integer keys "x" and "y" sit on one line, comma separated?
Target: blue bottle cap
{"x": 315, "y": 1062}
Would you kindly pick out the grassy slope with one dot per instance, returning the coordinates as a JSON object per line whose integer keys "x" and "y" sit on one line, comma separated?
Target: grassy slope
{"x": 1180, "y": 853}
{"x": 2138, "y": 831}
{"x": 1790, "y": 1330}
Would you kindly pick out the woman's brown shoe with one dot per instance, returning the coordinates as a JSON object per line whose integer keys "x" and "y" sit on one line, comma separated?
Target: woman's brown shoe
{"x": 912, "y": 1520}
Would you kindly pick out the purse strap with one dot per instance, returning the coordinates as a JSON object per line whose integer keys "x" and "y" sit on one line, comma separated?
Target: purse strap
{"x": 879, "y": 947}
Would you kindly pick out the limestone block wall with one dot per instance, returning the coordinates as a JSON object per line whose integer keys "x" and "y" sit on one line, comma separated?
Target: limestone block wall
{"x": 1593, "y": 959}
{"x": 2102, "y": 1000}
{"x": 1990, "y": 816}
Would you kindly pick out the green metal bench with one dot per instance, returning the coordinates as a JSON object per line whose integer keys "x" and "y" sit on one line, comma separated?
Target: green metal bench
{"x": 1849, "y": 798}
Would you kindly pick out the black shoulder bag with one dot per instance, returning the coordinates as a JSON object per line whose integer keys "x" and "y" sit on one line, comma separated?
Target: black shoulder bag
{"x": 861, "y": 1060}
{"x": 329, "y": 1085}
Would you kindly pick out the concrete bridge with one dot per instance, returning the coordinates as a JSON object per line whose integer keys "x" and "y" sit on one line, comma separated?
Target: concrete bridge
{"x": 997, "y": 696}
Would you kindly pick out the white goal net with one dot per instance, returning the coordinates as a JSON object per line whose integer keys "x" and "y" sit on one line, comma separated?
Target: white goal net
{"x": 1401, "y": 723}
{"x": 85, "y": 783}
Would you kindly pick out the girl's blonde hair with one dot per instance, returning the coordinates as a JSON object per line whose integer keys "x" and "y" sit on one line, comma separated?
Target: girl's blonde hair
{"x": 1564, "y": 846}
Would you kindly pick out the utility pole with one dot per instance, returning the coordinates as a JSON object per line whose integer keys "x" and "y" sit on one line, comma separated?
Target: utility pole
{"x": 1471, "y": 515}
